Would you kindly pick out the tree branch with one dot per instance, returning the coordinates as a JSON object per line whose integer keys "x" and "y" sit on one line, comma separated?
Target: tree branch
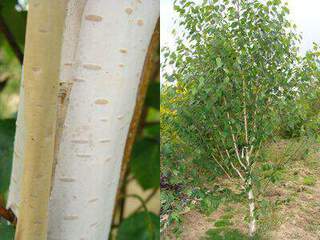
{"x": 3, "y": 82}
{"x": 147, "y": 199}
{"x": 237, "y": 170}
{"x": 11, "y": 40}
{"x": 234, "y": 140}
{"x": 8, "y": 215}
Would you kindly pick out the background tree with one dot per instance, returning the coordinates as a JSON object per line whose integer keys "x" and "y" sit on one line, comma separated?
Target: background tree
{"x": 235, "y": 68}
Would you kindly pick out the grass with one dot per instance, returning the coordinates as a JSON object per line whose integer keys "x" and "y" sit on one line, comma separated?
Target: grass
{"x": 309, "y": 181}
{"x": 224, "y": 234}
{"x": 289, "y": 200}
{"x": 223, "y": 223}
{"x": 209, "y": 204}
{"x": 227, "y": 216}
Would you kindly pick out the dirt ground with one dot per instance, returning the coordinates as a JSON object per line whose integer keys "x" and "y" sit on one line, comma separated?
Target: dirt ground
{"x": 295, "y": 214}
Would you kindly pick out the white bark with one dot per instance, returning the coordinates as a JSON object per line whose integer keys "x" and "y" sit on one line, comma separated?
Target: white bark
{"x": 113, "y": 42}
{"x": 105, "y": 44}
{"x": 252, "y": 218}
{"x": 17, "y": 165}
{"x": 71, "y": 35}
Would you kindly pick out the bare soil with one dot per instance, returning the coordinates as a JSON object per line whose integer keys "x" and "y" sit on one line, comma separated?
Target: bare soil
{"x": 295, "y": 214}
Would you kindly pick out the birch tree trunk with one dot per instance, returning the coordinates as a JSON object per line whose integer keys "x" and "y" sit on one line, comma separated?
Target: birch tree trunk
{"x": 41, "y": 74}
{"x": 104, "y": 48}
{"x": 17, "y": 164}
{"x": 252, "y": 218}
{"x": 113, "y": 43}
{"x": 70, "y": 41}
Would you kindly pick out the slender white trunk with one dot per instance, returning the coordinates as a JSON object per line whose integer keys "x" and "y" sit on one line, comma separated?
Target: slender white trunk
{"x": 252, "y": 218}
{"x": 105, "y": 44}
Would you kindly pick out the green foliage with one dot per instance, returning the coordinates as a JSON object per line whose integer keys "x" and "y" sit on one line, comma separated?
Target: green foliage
{"x": 209, "y": 204}
{"x": 153, "y": 95}
{"x": 301, "y": 117}
{"x": 167, "y": 199}
{"x": 15, "y": 20}
{"x": 7, "y": 129}
{"x": 9, "y": 65}
{"x": 225, "y": 234}
{"x": 145, "y": 164}
{"x": 271, "y": 171}
{"x": 235, "y": 81}
{"x": 227, "y": 216}
{"x": 236, "y": 61}
{"x": 6, "y": 231}
{"x": 142, "y": 226}
{"x": 309, "y": 181}
{"x": 10, "y": 73}
{"x": 223, "y": 223}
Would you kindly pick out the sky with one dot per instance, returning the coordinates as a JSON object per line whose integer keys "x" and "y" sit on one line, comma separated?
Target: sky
{"x": 304, "y": 13}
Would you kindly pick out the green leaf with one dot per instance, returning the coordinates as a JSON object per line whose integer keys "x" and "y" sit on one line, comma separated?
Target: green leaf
{"x": 145, "y": 163}
{"x": 6, "y": 231}
{"x": 140, "y": 226}
{"x": 152, "y": 131}
{"x": 7, "y": 129}
{"x": 219, "y": 62}
{"x": 15, "y": 20}
{"x": 153, "y": 95}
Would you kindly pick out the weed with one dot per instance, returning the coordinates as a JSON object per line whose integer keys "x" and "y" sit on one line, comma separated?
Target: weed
{"x": 224, "y": 234}
{"x": 309, "y": 181}
{"x": 223, "y": 223}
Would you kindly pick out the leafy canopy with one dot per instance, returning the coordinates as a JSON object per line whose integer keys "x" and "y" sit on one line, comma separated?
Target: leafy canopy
{"x": 235, "y": 66}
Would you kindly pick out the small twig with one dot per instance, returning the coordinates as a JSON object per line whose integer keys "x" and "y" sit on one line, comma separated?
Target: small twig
{"x": 142, "y": 121}
{"x": 123, "y": 191}
{"x": 3, "y": 82}
{"x": 129, "y": 179}
{"x": 115, "y": 226}
{"x": 147, "y": 199}
{"x": 8, "y": 215}
{"x": 234, "y": 140}
{"x": 136, "y": 196}
{"x": 237, "y": 170}
{"x": 11, "y": 40}
{"x": 143, "y": 203}
{"x": 212, "y": 155}
{"x": 224, "y": 170}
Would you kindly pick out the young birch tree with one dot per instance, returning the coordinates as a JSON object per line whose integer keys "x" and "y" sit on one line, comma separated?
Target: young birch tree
{"x": 233, "y": 66}
{"x": 103, "y": 53}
